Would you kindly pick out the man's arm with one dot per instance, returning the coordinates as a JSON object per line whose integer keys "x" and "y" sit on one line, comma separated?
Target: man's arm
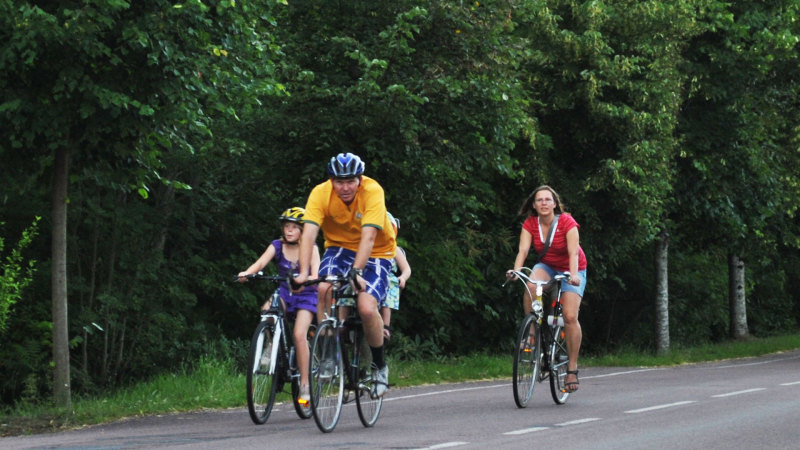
{"x": 307, "y": 241}
{"x": 368, "y": 235}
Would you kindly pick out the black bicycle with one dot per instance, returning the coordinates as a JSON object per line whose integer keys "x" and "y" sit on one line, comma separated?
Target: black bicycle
{"x": 341, "y": 363}
{"x": 272, "y": 362}
{"x": 540, "y": 350}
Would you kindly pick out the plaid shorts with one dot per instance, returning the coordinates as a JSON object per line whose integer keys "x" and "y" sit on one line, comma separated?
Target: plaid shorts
{"x": 338, "y": 260}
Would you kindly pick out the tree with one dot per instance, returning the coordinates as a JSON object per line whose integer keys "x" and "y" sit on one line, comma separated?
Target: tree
{"x": 109, "y": 88}
{"x": 737, "y": 168}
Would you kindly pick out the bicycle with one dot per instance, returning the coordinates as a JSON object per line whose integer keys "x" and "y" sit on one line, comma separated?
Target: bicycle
{"x": 332, "y": 382}
{"x": 540, "y": 350}
{"x": 272, "y": 362}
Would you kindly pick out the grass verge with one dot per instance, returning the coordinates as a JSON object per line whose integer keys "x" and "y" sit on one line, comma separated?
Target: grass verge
{"x": 216, "y": 384}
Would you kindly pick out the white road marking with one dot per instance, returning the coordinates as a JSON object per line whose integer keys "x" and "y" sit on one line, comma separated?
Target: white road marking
{"x": 746, "y": 391}
{"x": 447, "y": 391}
{"x": 447, "y": 445}
{"x": 526, "y": 430}
{"x": 613, "y": 374}
{"x": 576, "y": 422}
{"x": 652, "y": 408}
{"x": 790, "y": 384}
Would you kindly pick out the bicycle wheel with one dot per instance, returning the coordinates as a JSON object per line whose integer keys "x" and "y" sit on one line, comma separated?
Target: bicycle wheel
{"x": 369, "y": 407}
{"x": 527, "y": 359}
{"x": 261, "y": 384}
{"x": 559, "y": 361}
{"x": 327, "y": 378}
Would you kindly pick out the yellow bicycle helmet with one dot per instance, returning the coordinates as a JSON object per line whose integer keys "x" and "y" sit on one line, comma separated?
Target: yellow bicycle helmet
{"x": 293, "y": 214}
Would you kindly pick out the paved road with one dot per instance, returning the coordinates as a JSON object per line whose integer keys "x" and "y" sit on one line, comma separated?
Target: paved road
{"x": 748, "y": 403}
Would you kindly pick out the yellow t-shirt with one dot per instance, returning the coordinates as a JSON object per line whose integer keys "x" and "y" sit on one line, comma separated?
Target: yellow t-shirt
{"x": 341, "y": 224}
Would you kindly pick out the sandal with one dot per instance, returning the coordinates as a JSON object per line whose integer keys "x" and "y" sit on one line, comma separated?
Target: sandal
{"x": 572, "y": 386}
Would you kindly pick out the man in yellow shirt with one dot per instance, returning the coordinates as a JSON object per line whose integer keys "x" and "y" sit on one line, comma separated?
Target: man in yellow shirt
{"x": 350, "y": 209}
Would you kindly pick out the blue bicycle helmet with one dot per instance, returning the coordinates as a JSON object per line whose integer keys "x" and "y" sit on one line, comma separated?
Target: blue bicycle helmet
{"x": 345, "y": 165}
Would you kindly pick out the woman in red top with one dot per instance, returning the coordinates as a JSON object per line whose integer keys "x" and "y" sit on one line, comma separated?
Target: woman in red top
{"x": 564, "y": 255}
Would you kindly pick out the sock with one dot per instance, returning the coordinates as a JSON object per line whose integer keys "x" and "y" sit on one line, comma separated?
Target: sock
{"x": 377, "y": 356}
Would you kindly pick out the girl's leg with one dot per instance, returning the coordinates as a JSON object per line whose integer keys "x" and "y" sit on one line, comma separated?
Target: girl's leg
{"x": 571, "y": 306}
{"x": 301, "y": 324}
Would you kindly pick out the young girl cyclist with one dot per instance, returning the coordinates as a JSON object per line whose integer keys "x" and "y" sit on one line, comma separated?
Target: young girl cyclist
{"x": 301, "y": 303}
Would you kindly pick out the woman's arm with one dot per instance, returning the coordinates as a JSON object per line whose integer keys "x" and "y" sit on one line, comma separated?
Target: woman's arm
{"x": 525, "y": 239}
{"x": 572, "y": 251}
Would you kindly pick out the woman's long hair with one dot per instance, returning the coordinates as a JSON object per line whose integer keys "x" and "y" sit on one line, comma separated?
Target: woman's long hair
{"x": 527, "y": 208}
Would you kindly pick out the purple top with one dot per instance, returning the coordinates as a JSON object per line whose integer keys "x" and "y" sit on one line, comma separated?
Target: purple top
{"x": 307, "y": 296}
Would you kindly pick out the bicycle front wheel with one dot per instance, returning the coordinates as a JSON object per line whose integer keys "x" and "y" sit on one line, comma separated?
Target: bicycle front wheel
{"x": 327, "y": 378}
{"x": 369, "y": 407}
{"x": 261, "y": 381}
{"x": 527, "y": 360}
{"x": 559, "y": 361}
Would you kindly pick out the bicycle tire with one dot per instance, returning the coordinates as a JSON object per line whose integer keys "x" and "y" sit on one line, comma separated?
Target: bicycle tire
{"x": 261, "y": 385}
{"x": 369, "y": 407}
{"x": 559, "y": 361}
{"x": 326, "y": 378}
{"x": 527, "y": 360}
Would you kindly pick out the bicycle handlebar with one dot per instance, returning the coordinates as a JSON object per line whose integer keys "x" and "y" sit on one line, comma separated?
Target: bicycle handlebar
{"x": 521, "y": 275}
{"x": 333, "y": 279}
{"x": 261, "y": 276}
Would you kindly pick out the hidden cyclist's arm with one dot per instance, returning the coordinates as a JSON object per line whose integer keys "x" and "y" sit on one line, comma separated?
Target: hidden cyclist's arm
{"x": 404, "y": 266}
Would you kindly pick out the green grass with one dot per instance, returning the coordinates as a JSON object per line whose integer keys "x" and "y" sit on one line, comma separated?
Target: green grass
{"x": 216, "y": 384}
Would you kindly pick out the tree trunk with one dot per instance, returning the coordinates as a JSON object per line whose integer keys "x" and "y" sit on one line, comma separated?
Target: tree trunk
{"x": 662, "y": 292}
{"x": 61, "y": 379}
{"x": 736, "y": 297}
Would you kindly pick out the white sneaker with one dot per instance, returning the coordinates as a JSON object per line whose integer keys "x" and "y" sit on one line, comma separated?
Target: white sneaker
{"x": 305, "y": 395}
{"x": 380, "y": 380}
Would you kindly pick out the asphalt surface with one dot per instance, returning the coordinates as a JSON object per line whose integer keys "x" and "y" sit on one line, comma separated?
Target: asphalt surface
{"x": 749, "y": 403}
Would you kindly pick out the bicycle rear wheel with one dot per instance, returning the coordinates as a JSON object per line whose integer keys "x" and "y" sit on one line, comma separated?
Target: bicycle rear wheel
{"x": 527, "y": 360}
{"x": 369, "y": 408}
{"x": 559, "y": 361}
{"x": 261, "y": 384}
{"x": 327, "y": 378}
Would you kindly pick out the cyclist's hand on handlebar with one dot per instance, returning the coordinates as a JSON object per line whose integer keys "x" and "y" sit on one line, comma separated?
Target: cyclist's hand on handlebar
{"x": 242, "y": 277}
{"x": 510, "y": 274}
{"x": 353, "y": 275}
{"x": 297, "y": 280}
{"x": 574, "y": 280}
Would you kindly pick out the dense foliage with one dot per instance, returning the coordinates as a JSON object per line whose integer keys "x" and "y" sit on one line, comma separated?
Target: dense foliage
{"x": 191, "y": 126}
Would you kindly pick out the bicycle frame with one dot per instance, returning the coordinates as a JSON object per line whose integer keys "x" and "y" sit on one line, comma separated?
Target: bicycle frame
{"x": 276, "y": 313}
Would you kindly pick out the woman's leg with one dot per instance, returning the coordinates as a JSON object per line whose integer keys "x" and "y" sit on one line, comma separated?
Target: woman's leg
{"x": 571, "y": 306}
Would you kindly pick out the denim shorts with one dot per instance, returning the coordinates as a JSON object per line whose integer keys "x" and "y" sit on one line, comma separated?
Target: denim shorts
{"x": 565, "y": 287}
{"x": 338, "y": 260}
